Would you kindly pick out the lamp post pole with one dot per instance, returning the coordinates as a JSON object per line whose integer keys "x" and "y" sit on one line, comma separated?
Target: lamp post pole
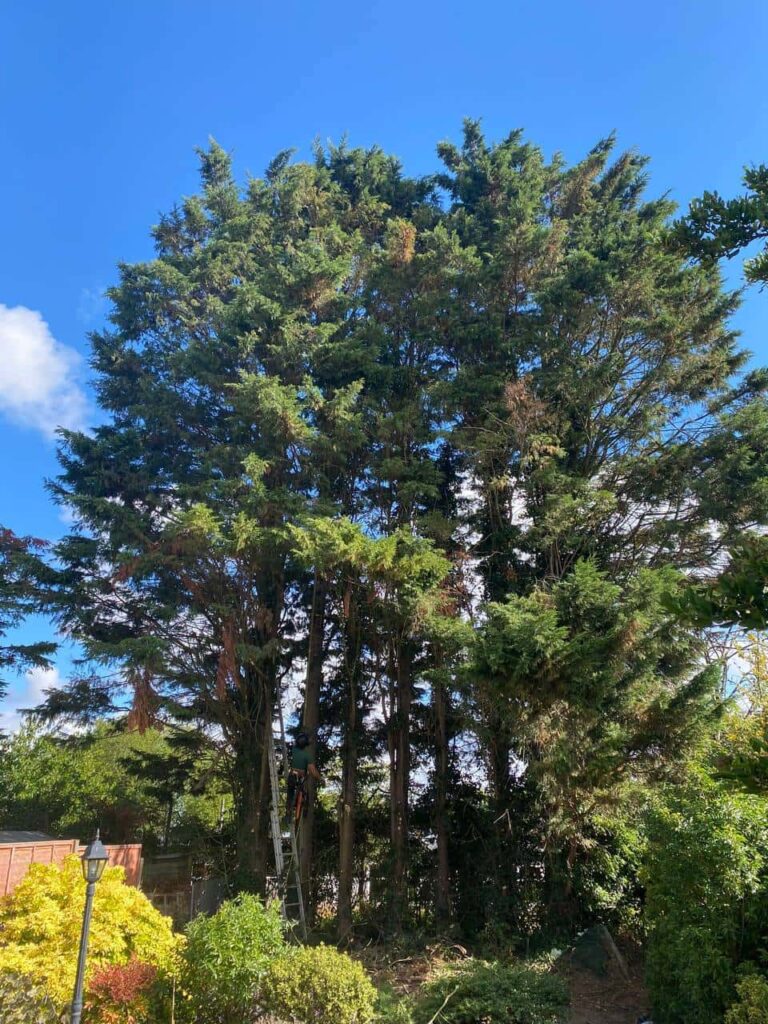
{"x": 77, "y": 1002}
{"x": 94, "y": 859}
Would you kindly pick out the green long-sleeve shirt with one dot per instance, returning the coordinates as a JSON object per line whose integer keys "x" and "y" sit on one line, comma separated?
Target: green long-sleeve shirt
{"x": 301, "y": 758}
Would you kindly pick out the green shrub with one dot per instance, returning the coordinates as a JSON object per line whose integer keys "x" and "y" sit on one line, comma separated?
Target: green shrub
{"x": 40, "y": 927}
{"x": 319, "y": 985}
{"x": 706, "y": 908}
{"x": 226, "y": 957}
{"x": 494, "y": 993}
{"x": 752, "y": 1004}
{"x": 23, "y": 1002}
{"x": 391, "y": 1008}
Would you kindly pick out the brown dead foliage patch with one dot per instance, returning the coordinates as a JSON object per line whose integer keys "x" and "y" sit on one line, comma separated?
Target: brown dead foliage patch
{"x": 406, "y": 972}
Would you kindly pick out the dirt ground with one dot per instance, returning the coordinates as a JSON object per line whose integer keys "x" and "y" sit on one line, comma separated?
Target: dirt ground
{"x": 595, "y": 999}
{"x": 606, "y": 1000}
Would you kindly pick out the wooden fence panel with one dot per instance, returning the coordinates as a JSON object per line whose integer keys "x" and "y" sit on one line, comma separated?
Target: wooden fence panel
{"x": 15, "y": 859}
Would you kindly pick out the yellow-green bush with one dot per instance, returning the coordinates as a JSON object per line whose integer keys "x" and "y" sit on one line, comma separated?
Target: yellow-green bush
{"x": 40, "y": 927}
{"x": 318, "y": 985}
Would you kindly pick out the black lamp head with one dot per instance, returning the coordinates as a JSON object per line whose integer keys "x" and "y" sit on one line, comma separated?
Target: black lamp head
{"x": 94, "y": 859}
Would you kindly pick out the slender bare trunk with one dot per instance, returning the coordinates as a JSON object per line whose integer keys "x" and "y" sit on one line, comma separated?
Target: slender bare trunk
{"x": 310, "y": 722}
{"x": 400, "y": 749}
{"x": 348, "y": 796}
{"x": 443, "y": 896}
{"x": 347, "y": 820}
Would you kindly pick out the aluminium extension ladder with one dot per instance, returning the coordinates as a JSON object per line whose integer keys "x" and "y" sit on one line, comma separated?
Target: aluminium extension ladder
{"x": 285, "y": 841}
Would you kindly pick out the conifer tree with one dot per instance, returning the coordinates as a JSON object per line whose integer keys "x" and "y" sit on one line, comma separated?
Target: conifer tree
{"x": 185, "y": 570}
{"x": 600, "y": 427}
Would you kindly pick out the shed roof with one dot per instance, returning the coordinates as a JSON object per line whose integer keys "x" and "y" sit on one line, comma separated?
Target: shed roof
{"x": 21, "y": 836}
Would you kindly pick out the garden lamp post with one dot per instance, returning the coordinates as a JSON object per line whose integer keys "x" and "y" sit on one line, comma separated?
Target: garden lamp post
{"x": 94, "y": 861}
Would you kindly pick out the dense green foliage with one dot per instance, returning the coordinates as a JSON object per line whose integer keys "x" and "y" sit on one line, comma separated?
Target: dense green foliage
{"x": 494, "y": 992}
{"x": 226, "y": 958}
{"x": 738, "y": 597}
{"x": 318, "y": 985}
{"x": 130, "y": 784}
{"x": 40, "y": 927}
{"x": 706, "y": 899}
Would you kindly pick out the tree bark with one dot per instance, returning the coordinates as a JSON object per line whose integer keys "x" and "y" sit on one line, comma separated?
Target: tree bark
{"x": 310, "y": 722}
{"x": 348, "y": 797}
{"x": 252, "y": 806}
{"x": 443, "y": 895}
{"x": 400, "y": 752}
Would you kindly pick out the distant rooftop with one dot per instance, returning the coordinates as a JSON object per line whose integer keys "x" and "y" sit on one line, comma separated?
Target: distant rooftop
{"x": 23, "y": 837}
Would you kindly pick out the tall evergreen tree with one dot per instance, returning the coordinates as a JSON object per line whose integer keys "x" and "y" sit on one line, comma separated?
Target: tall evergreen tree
{"x": 185, "y": 572}
{"x": 599, "y": 424}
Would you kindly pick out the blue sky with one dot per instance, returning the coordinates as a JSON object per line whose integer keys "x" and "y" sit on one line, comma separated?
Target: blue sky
{"x": 102, "y": 104}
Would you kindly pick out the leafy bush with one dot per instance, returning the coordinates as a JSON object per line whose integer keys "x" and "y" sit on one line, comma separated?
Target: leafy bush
{"x": 40, "y": 927}
{"x": 23, "y": 1002}
{"x": 706, "y": 900}
{"x": 120, "y": 994}
{"x": 226, "y": 957}
{"x": 392, "y": 1009}
{"x": 752, "y": 1004}
{"x": 319, "y": 985}
{"x": 494, "y": 993}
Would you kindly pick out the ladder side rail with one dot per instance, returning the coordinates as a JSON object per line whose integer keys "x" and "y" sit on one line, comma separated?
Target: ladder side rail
{"x": 293, "y": 866}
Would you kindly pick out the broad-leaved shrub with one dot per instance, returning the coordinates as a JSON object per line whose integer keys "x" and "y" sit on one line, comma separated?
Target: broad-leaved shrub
{"x": 706, "y": 908}
{"x": 24, "y": 1002}
{"x": 226, "y": 957}
{"x": 121, "y": 994}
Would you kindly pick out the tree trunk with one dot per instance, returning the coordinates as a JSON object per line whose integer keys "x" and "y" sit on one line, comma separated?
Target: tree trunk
{"x": 400, "y": 750}
{"x": 310, "y": 721}
{"x": 347, "y": 820}
{"x": 443, "y": 896}
{"x": 167, "y": 826}
{"x": 499, "y": 753}
{"x": 252, "y": 806}
{"x": 348, "y": 796}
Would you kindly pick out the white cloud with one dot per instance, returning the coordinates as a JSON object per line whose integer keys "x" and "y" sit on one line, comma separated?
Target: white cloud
{"x": 38, "y": 375}
{"x": 29, "y": 695}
